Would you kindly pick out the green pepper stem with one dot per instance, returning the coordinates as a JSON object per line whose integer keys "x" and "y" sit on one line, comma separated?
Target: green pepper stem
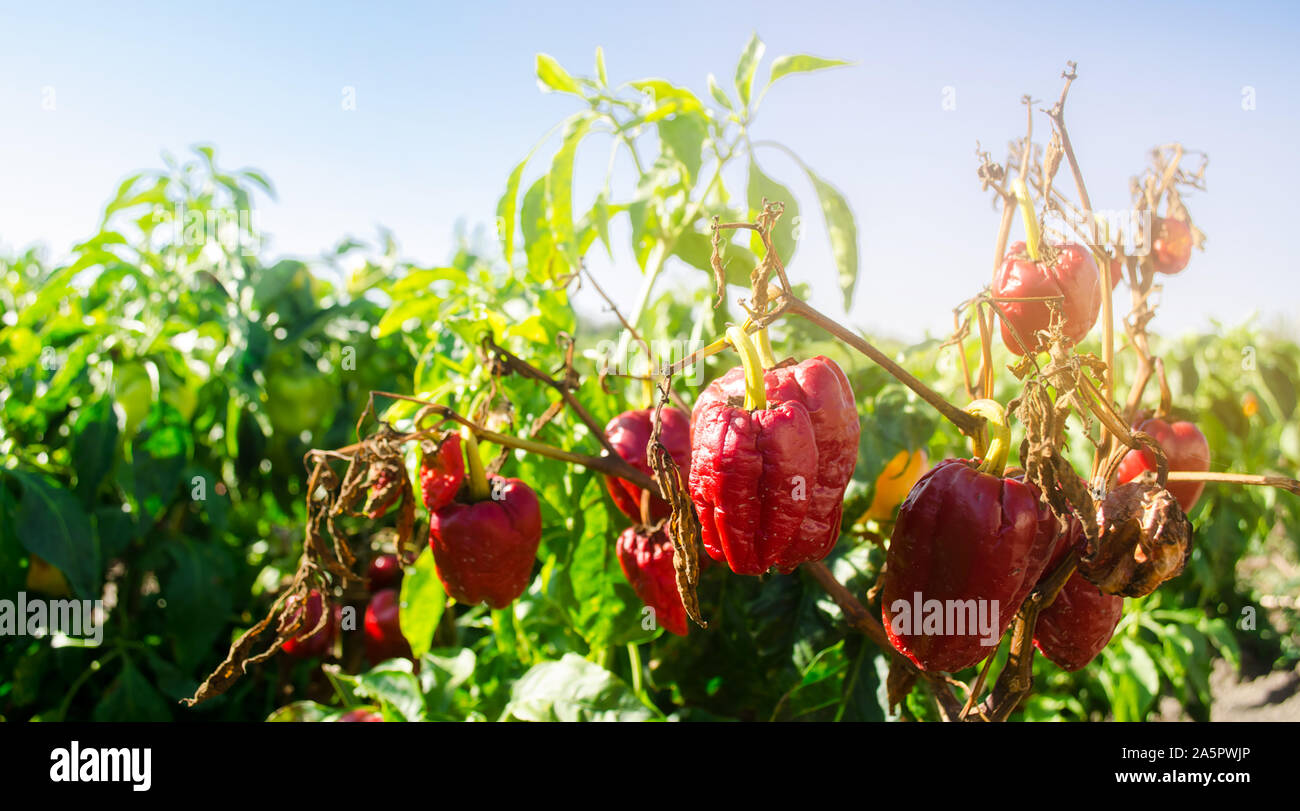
{"x": 755, "y": 393}
{"x": 995, "y": 459}
{"x": 479, "y": 489}
{"x": 1033, "y": 237}
{"x": 765, "y": 353}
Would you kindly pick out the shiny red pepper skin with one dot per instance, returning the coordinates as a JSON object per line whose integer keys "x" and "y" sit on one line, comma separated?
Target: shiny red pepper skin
{"x": 647, "y": 561}
{"x": 485, "y": 551}
{"x": 384, "y": 639}
{"x": 629, "y": 433}
{"x": 748, "y": 473}
{"x": 1185, "y": 447}
{"x": 964, "y": 535}
{"x": 821, "y": 387}
{"x": 1072, "y": 274}
{"x": 319, "y": 643}
{"x": 384, "y": 572}
{"x": 1080, "y": 621}
{"x": 441, "y": 473}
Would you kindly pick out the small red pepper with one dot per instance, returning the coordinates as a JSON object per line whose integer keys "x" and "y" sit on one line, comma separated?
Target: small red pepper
{"x": 1081, "y": 620}
{"x": 1171, "y": 247}
{"x": 821, "y": 387}
{"x": 384, "y": 572}
{"x": 384, "y": 639}
{"x": 630, "y": 433}
{"x": 1185, "y": 447}
{"x": 647, "y": 561}
{"x": 753, "y": 469}
{"x": 314, "y": 645}
{"x": 484, "y": 548}
{"x": 442, "y": 469}
{"x": 969, "y": 545}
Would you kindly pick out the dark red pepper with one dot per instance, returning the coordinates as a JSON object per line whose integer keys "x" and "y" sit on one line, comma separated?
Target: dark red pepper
{"x": 384, "y": 572}
{"x": 821, "y": 387}
{"x": 753, "y": 468}
{"x": 314, "y": 645}
{"x": 1185, "y": 447}
{"x": 384, "y": 639}
{"x": 647, "y": 561}
{"x": 629, "y": 433}
{"x": 1072, "y": 273}
{"x": 971, "y": 543}
{"x": 484, "y": 548}
{"x": 1081, "y": 620}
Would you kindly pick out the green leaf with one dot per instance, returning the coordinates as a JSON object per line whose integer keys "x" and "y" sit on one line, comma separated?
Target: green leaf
{"x": 573, "y": 689}
{"x": 131, "y": 698}
{"x": 801, "y": 63}
{"x": 843, "y": 231}
{"x": 719, "y": 95}
{"x": 746, "y": 67}
{"x": 506, "y": 211}
{"x": 559, "y": 189}
{"x": 301, "y": 711}
{"x": 51, "y": 523}
{"x": 682, "y": 137}
{"x": 422, "y": 603}
{"x": 94, "y": 446}
{"x": 783, "y": 235}
{"x": 393, "y": 683}
{"x": 551, "y": 75}
{"x": 600, "y": 67}
{"x": 695, "y": 249}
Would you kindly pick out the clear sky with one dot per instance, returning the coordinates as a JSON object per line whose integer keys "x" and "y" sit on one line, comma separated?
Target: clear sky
{"x": 447, "y": 103}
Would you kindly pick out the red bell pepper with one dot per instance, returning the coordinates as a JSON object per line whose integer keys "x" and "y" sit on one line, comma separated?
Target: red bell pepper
{"x": 484, "y": 548}
{"x": 629, "y": 433}
{"x": 970, "y": 545}
{"x": 647, "y": 562}
{"x": 1081, "y": 620}
{"x": 316, "y": 644}
{"x": 753, "y": 470}
{"x": 1072, "y": 274}
{"x": 821, "y": 387}
{"x": 384, "y": 639}
{"x": 1185, "y": 447}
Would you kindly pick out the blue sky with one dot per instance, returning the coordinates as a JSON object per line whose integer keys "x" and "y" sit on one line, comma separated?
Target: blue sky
{"x": 447, "y": 103}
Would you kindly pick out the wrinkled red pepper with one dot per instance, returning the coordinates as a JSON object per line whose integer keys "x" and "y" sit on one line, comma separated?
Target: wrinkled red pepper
{"x": 822, "y": 389}
{"x": 484, "y": 547}
{"x": 442, "y": 469}
{"x": 629, "y": 433}
{"x": 1081, "y": 620}
{"x": 647, "y": 562}
{"x": 753, "y": 470}
{"x": 1072, "y": 274}
{"x": 971, "y": 543}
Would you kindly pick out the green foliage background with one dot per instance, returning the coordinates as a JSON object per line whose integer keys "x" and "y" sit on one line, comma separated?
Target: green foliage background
{"x": 159, "y": 392}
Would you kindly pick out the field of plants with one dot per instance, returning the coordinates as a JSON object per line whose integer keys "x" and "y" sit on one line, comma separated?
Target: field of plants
{"x": 367, "y": 489}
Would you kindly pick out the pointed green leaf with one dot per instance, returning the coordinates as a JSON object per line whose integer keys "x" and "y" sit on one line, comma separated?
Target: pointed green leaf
{"x": 421, "y": 604}
{"x": 506, "y": 211}
{"x": 746, "y": 67}
{"x": 559, "y": 189}
{"x": 600, "y": 67}
{"x": 719, "y": 95}
{"x": 801, "y": 63}
{"x": 551, "y": 74}
{"x": 783, "y": 235}
{"x": 573, "y": 689}
{"x": 51, "y": 523}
